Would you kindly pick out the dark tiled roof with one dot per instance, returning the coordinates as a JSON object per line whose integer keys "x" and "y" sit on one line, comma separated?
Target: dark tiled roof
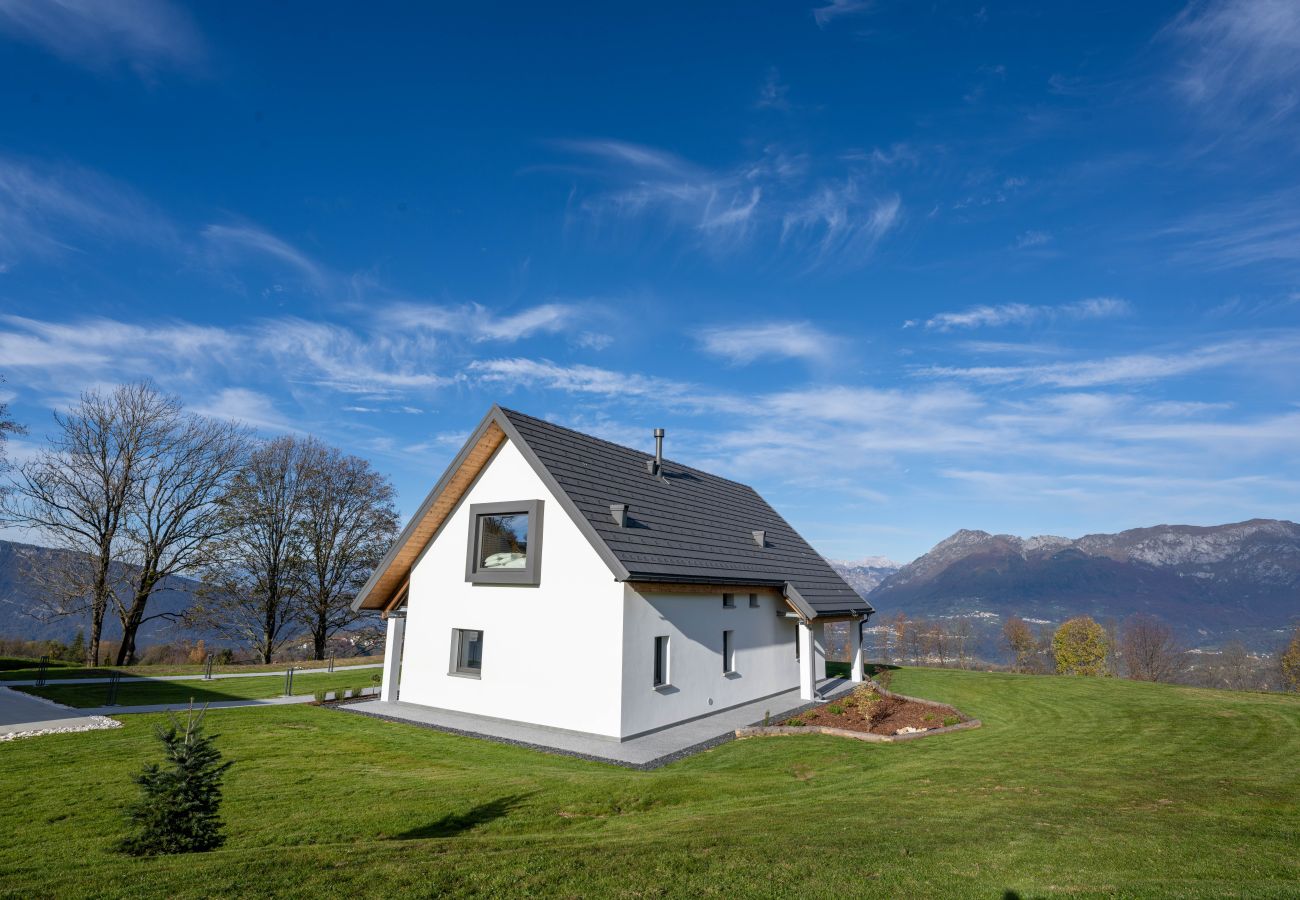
{"x": 688, "y": 526}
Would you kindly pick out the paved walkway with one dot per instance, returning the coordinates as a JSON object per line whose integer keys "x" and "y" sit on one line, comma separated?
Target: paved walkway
{"x": 23, "y": 713}
{"x": 50, "y": 682}
{"x": 646, "y": 752}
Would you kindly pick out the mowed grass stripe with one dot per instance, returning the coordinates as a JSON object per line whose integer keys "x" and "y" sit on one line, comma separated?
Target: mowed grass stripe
{"x": 1079, "y": 786}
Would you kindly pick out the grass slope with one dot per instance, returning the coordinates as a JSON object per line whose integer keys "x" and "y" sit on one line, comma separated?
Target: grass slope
{"x": 142, "y": 692}
{"x": 1080, "y": 786}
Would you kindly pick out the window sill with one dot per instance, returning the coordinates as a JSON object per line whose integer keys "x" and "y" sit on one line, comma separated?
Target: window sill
{"x": 468, "y": 675}
{"x": 664, "y": 689}
{"x": 730, "y": 674}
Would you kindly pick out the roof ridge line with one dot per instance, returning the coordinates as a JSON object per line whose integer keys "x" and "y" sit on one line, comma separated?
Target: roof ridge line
{"x": 601, "y": 440}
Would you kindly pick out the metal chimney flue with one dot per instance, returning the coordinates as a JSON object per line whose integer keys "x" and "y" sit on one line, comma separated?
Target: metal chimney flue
{"x": 659, "y": 448}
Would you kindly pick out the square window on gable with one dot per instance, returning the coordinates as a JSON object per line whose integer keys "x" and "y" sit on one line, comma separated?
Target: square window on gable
{"x": 505, "y": 543}
{"x": 728, "y": 601}
{"x": 753, "y": 601}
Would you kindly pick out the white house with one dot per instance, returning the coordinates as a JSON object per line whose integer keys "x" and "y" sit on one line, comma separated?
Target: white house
{"x": 557, "y": 579}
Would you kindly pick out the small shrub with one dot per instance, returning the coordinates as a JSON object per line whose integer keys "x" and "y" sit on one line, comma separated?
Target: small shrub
{"x": 835, "y": 709}
{"x": 950, "y": 720}
{"x": 359, "y": 691}
{"x": 177, "y": 811}
{"x": 319, "y": 696}
{"x": 796, "y": 722}
{"x": 767, "y": 718}
{"x": 928, "y": 717}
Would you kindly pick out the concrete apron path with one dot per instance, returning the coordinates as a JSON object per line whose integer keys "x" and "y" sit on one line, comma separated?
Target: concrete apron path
{"x": 51, "y": 682}
{"x": 646, "y": 752}
{"x": 23, "y": 715}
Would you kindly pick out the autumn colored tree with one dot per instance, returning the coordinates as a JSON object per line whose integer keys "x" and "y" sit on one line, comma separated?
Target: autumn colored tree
{"x": 1290, "y": 663}
{"x": 1080, "y": 647}
{"x": 1020, "y": 641}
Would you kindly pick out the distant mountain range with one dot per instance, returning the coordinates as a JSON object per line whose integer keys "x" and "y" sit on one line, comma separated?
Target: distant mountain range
{"x": 21, "y": 594}
{"x": 1213, "y": 584}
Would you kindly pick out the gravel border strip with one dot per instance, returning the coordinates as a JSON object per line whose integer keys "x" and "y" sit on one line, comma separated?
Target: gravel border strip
{"x": 99, "y": 723}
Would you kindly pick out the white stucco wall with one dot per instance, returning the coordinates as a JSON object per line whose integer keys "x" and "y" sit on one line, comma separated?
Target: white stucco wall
{"x": 552, "y": 654}
{"x": 765, "y": 655}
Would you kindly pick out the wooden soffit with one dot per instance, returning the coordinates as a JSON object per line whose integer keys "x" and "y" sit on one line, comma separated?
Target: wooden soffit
{"x": 388, "y": 585}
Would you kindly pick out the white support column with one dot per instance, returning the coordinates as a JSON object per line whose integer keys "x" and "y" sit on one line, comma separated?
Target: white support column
{"x": 393, "y": 656}
{"x": 807, "y": 662}
{"x": 855, "y": 650}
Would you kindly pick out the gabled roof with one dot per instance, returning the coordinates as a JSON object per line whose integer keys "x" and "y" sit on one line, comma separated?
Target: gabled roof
{"x": 683, "y": 526}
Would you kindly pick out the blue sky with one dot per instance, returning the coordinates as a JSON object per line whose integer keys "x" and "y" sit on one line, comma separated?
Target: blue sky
{"x": 1031, "y": 268}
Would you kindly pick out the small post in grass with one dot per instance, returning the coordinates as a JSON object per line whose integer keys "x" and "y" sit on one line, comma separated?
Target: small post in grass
{"x": 113, "y": 680}
{"x": 288, "y": 682}
{"x": 331, "y": 668}
{"x": 207, "y": 667}
{"x": 40, "y": 673}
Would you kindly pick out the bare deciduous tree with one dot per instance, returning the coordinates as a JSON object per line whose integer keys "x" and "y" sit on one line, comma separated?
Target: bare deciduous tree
{"x": 77, "y": 493}
{"x": 7, "y": 427}
{"x": 1149, "y": 650}
{"x": 348, "y": 522}
{"x": 174, "y": 520}
{"x": 252, "y": 588}
{"x": 961, "y": 633}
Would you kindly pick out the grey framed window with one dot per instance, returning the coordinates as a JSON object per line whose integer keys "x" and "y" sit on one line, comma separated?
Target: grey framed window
{"x": 753, "y": 601}
{"x": 661, "y": 662}
{"x": 728, "y": 601}
{"x": 466, "y": 652}
{"x": 505, "y": 543}
{"x": 728, "y": 652}
{"x": 796, "y": 643}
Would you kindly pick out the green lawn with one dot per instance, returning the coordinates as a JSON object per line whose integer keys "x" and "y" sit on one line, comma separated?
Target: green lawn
{"x": 1086, "y": 787}
{"x": 141, "y": 692}
{"x": 65, "y": 670}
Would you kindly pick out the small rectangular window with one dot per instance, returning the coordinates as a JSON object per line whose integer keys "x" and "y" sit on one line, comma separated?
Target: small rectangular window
{"x": 753, "y": 601}
{"x": 728, "y": 652}
{"x": 728, "y": 601}
{"x": 661, "y": 661}
{"x": 796, "y": 643}
{"x": 468, "y": 651}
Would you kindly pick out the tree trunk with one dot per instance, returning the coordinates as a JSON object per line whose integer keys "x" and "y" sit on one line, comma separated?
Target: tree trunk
{"x": 98, "y": 607}
{"x": 134, "y": 615}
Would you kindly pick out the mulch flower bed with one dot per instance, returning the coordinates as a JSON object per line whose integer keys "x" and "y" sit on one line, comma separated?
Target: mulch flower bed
{"x": 869, "y": 711}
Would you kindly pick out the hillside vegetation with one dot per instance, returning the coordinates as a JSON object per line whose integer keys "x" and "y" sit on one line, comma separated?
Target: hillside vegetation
{"x": 1081, "y": 786}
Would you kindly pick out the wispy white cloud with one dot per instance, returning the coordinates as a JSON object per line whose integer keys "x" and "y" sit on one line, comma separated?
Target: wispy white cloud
{"x": 1006, "y": 314}
{"x": 145, "y": 35}
{"x": 247, "y": 406}
{"x": 1240, "y": 55}
{"x": 479, "y": 324}
{"x": 1261, "y": 231}
{"x": 841, "y": 222}
{"x": 769, "y": 198}
{"x": 773, "y": 94}
{"x": 1242, "y": 353}
{"x": 51, "y": 210}
{"x": 235, "y": 242}
{"x": 1029, "y": 239}
{"x": 744, "y": 344}
{"x": 839, "y": 9}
